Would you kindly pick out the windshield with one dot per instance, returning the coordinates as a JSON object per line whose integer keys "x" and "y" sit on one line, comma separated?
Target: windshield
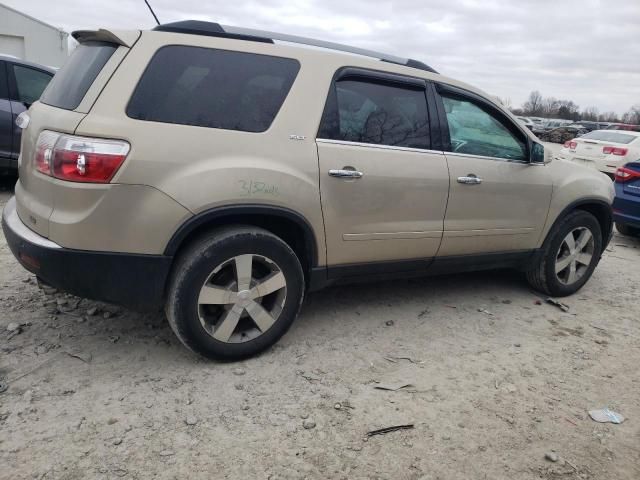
{"x": 610, "y": 136}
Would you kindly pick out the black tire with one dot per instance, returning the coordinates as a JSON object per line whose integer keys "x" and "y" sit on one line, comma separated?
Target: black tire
{"x": 542, "y": 275}
{"x": 194, "y": 266}
{"x": 627, "y": 230}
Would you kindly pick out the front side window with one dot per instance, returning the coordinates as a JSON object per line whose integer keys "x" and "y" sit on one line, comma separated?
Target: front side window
{"x": 30, "y": 83}
{"x": 475, "y": 131}
{"x": 213, "y": 88}
{"x": 369, "y": 112}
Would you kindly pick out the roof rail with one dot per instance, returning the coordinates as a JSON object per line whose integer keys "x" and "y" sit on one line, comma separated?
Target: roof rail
{"x": 197, "y": 27}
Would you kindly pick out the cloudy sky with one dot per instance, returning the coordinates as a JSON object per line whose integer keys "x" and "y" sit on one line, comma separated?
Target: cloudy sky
{"x": 587, "y": 51}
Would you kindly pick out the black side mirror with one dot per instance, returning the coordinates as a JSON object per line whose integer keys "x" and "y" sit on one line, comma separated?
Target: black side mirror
{"x": 536, "y": 152}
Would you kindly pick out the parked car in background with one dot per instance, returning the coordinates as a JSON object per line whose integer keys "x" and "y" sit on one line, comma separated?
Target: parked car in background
{"x": 624, "y": 126}
{"x": 21, "y": 84}
{"x": 562, "y": 134}
{"x": 588, "y": 125}
{"x": 626, "y": 206}
{"x": 604, "y": 150}
{"x": 526, "y": 122}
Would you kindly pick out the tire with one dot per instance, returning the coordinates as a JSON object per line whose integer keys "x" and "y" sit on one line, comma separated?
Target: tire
{"x": 624, "y": 229}
{"x": 206, "y": 295}
{"x": 542, "y": 274}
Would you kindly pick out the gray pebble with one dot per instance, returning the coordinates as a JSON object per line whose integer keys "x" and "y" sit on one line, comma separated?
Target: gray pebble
{"x": 551, "y": 456}
{"x": 92, "y": 311}
{"x": 117, "y": 441}
{"x": 238, "y": 371}
{"x": 308, "y": 424}
{"x": 190, "y": 420}
{"x": 13, "y": 326}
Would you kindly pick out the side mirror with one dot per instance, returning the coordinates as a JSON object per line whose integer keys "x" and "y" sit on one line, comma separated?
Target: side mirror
{"x": 537, "y": 153}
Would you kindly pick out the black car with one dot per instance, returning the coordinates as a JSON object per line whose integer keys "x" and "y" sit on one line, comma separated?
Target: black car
{"x": 21, "y": 84}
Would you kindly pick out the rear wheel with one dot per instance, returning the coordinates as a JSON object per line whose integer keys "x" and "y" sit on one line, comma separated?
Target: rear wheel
{"x": 569, "y": 255}
{"x": 627, "y": 230}
{"x": 234, "y": 293}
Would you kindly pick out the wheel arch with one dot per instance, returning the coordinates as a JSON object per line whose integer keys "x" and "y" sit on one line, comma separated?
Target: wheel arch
{"x": 599, "y": 208}
{"x": 287, "y": 224}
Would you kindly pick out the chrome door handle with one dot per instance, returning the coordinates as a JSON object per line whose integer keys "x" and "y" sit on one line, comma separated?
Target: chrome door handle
{"x": 470, "y": 179}
{"x": 345, "y": 173}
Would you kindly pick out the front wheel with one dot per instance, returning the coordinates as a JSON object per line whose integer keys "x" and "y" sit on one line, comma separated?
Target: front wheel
{"x": 569, "y": 255}
{"x": 234, "y": 293}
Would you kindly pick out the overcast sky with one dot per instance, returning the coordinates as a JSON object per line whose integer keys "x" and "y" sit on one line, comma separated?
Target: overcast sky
{"x": 587, "y": 51}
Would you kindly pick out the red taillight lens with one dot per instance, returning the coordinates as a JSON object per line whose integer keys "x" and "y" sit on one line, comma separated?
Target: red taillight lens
{"x": 570, "y": 144}
{"x": 79, "y": 159}
{"x": 624, "y": 174}
{"x": 44, "y": 151}
{"x": 620, "y": 151}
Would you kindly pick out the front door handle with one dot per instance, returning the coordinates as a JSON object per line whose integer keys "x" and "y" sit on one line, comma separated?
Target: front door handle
{"x": 346, "y": 172}
{"x": 470, "y": 179}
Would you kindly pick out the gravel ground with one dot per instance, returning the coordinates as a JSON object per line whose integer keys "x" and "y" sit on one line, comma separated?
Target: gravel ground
{"x": 493, "y": 380}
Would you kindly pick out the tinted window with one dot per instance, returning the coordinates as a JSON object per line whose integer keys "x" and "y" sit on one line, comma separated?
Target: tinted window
{"x": 71, "y": 82}
{"x": 30, "y": 83}
{"x": 474, "y": 131}
{"x": 213, "y": 88}
{"x": 4, "y": 89}
{"x": 368, "y": 112}
{"x": 609, "y": 136}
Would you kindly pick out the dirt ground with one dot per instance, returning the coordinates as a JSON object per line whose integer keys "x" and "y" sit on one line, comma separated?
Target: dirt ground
{"x": 497, "y": 380}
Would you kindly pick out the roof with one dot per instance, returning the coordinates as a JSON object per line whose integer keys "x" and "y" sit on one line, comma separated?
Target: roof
{"x": 58, "y": 29}
{"x": 19, "y": 61}
{"x": 197, "y": 27}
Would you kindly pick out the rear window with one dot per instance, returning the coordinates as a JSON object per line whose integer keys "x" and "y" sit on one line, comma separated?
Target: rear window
{"x": 70, "y": 84}
{"x": 609, "y": 136}
{"x": 213, "y": 88}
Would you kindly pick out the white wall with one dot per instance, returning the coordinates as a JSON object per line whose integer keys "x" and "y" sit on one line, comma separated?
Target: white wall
{"x": 30, "y": 39}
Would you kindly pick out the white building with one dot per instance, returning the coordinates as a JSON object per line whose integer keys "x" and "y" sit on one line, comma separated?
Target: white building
{"x": 30, "y": 39}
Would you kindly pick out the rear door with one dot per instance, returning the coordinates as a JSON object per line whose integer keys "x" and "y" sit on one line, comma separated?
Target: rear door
{"x": 384, "y": 190}
{"x": 498, "y": 201}
{"x": 6, "y": 118}
{"x": 26, "y": 84}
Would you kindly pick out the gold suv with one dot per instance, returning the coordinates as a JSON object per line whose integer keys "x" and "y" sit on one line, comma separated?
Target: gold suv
{"x": 222, "y": 172}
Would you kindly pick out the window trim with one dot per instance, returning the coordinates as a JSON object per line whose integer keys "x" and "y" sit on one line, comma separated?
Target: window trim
{"x": 382, "y": 78}
{"x": 275, "y": 117}
{"x": 12, "y": 83}
{"x": 486, "y": 106}
{"x": 4, "y": 76}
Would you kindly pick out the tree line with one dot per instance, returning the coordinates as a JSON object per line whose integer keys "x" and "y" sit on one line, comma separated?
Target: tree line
{"x": 551, "y": 107}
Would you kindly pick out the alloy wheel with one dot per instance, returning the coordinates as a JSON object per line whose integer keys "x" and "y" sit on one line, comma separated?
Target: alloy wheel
{"x": 242, "y": 298}
{"x": 574, "y": 255}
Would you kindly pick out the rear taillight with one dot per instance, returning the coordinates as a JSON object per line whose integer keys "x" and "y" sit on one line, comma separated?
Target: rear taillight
{"x": 624, "y": 174}
{"x": 570, "y": 144}
{"x": 620, "y": 151}
{"x": 79, "y": 159}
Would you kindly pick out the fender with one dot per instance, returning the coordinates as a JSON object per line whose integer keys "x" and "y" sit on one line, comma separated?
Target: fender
{"x": 606, "y": 223}
{"x": 219, "y": 213}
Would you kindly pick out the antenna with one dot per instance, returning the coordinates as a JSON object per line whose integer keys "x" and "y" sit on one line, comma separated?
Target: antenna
{"x": 152, "y": 12}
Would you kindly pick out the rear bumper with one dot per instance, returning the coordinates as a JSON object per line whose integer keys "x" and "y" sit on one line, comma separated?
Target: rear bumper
{"x": 626, "y": 208}
{"x": 132, "y": 280}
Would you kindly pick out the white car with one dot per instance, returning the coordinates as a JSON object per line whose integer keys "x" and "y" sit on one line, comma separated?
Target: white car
{"x": 604, "y": 150}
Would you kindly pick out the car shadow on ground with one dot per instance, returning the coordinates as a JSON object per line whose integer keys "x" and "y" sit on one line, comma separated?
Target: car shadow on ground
{"x": 7, "y": 183}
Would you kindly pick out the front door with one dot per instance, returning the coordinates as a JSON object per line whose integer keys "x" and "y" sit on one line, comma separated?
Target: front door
{"x": 384, "y": 192}
{"x": 498, "y": 200}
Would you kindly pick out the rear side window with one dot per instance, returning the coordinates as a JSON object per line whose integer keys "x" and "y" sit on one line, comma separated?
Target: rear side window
{"x": 370, "y": 112}
{"x": 70, "y": 84}
{"x": 30, "y": 83}
{"x": 213, "y": 88}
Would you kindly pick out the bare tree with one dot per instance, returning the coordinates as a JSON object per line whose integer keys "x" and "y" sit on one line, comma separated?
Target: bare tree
{"x": 633, "y": 115}
{"x": 590, "y": 113}
{"x": 550, "y": 107}
{"x": 533, "y": 106}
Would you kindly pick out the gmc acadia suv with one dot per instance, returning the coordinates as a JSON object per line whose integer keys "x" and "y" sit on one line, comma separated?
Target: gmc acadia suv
{"x": 223, "y": 172}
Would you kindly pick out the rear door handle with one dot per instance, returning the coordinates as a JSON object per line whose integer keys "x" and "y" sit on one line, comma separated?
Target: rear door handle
{"x": 346, "y": 173}
{"x": 470, "y": 179}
